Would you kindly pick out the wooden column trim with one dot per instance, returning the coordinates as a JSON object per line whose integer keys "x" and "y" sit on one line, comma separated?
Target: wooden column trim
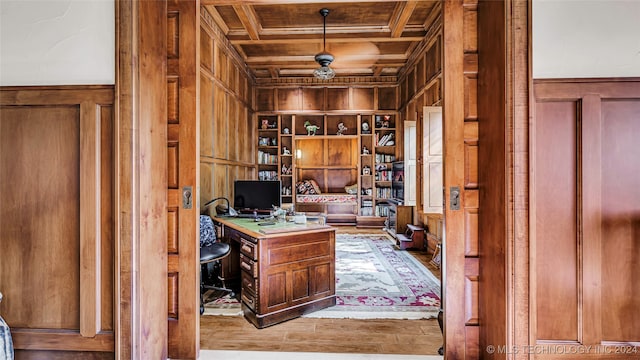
{"x": 453, "y": 134}
{"x": 590, "y": 331}
{"x": 90, "y": 142}
{"x": 140, "y": 187}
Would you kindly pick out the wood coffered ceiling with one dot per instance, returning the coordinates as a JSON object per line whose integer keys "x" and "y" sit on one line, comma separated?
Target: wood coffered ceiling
{"x": 279, "y": 38}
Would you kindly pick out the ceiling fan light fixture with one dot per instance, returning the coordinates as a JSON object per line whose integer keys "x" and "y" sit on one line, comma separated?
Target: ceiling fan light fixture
{"x": 324, "y": 72}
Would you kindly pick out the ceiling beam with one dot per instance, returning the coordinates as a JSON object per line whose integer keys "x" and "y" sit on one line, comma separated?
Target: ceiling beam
{"x": 329, "y": 40}
{"x": 256, "y": 60}
{"x": 218, "y": 19}
{"x": 249, "y": 20}
{"x": 400, "y": 17}
{"x": 270, "y": 2}
{"x": 333, "y": 30}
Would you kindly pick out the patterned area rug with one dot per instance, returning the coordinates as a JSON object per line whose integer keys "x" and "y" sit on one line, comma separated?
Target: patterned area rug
{"x": 374, "y": 280}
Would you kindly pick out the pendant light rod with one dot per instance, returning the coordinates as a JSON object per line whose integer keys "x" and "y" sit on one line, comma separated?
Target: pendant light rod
{"x": 324, "y": 13}
{"x": 324, "y": 58}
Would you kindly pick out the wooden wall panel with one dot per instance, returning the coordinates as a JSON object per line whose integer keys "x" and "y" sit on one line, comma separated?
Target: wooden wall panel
{"x": 584, "y": 211}
{"x": 265, "y": 100}
{"x": 313, "y": 98}
{"x": 620, "y": 220}
{"x": 233, "y": 145}
{"x": 221, "y": 66}
{"x": 220, "y": 123}
{"x": 206, "y": 115}
{"x": 338, "y": 99}
{"x": 56, "y": 145}
{"x": 362, "y": 98}
{"x": 206, "y": 51}
{"x": 289, "y": 99}
{"x": 556, "y": 233}
{"x": 387, "y": 98}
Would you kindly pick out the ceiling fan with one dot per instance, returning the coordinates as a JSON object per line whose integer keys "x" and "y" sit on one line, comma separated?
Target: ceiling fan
{"x": 324, "y": 58}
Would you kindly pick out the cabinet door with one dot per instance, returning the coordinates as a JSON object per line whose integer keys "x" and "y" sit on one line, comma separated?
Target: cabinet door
{"x": 432, "y": 159}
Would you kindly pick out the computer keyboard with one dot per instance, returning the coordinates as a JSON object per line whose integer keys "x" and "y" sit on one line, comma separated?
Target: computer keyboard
{"x": 253, "y": 216}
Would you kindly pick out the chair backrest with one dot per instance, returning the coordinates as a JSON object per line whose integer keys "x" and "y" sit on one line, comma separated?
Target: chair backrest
{"x": 207, "y": 232}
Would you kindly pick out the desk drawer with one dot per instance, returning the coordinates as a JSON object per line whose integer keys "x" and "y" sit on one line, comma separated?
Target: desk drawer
{"x": 249, "y": 283}
{"x": 249, "y": 299}
{"x": 249, "y": 266}
{"x": 248, "y": 248}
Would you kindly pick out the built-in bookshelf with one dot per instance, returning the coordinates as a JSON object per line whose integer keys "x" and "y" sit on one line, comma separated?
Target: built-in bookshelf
{"x": 384, "y": 139}
{"x": 340, "y": 152}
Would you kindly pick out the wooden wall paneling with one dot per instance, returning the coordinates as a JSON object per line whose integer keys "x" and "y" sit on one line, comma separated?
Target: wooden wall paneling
{"x": 338, "y": 99}
{"x": 387, "y": 98}
{"x": 66, "y": 134}
{"x": 313, "y": 98}
{"x": 244, "y": 138}
{"x": 183, "y": 265}
{"x": 233, "y": 145}
{"x": 265, "y": 99}
{"x": 362, "y": 98}
{"x": 206, "y": 50}
{"x": 555, "y": 225}
{"x": 221, "y": 64}
{"x": 206, "y": 117}
{"x": 287, "y": 98}
{"x": 433, "y": 59}
{"x": 596, "y": 119}
{"x": 411, "y": 83}
{"x": 402, "y": 88}
{"x": 220, "y": 123}
{"x": 619, "y": 217}
{"x": 206, "y": 184}
{"x": 420, "y": 72}
{"x": 107, "y": 217}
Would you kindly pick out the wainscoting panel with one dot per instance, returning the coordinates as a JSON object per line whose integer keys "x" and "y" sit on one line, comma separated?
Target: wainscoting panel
{"x": 586, "y": 214}
{"x": 56, "y": 222}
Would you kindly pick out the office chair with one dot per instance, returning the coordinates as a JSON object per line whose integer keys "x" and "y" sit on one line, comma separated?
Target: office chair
{"x": 211, "y": 251}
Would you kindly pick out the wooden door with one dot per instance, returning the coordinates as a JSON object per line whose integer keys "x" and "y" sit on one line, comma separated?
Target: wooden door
{"x": 585, "y": 207}
{"x": 183, "y": 61}
{"x": 432, "y": 146}
{"x": 410, "y": 166}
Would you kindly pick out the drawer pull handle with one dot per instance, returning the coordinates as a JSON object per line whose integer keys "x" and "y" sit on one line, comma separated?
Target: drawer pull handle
{"x": 246, "y": 248}
{"x": 245, "y": 265}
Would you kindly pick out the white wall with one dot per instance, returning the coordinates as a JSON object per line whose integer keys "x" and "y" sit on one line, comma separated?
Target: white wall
{"x": 57, "y": 42}
{"x": 586, "y": 38}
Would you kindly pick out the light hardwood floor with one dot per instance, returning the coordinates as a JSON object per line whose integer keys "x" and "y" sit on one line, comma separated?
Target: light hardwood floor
{"x": 386, "y": 336}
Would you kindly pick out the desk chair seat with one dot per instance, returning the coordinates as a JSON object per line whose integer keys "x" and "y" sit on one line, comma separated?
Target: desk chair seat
{"x": 211, "y": 251}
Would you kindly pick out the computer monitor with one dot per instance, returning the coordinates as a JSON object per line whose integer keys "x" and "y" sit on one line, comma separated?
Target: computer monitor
{"x": 256, "y": 194}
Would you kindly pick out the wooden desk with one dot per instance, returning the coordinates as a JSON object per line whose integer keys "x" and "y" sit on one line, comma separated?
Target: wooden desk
{"x": 286, "y": 270}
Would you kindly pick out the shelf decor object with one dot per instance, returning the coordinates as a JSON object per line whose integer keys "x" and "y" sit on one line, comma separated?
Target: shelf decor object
{"x": 324, "y": 72}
